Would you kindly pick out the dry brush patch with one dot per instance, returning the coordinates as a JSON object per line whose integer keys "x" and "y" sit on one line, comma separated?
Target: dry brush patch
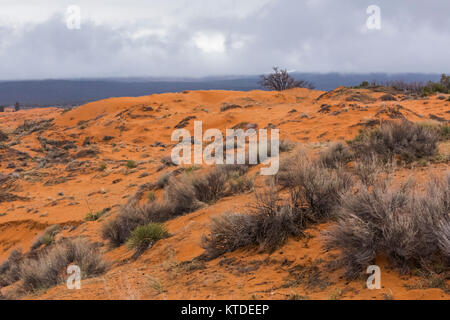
{"x": 409, "y": 141}
{"x": 313, "y": 186}
{"x": 269, "y": 224}
{"x": 47, "y": 267}
{"x": 182, "y": 194}
{"x": 412, "y": 229}
{"x": 313, "y": 192}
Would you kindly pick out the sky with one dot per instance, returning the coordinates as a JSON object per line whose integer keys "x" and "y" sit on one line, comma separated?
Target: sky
{"x": 194, "y": 38}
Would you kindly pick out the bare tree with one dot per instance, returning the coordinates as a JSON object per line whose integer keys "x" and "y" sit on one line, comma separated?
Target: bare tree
{"x": 280, "y": 80}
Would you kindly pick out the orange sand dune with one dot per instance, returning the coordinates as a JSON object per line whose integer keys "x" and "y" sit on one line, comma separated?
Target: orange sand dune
{"x": 121, "y": 129}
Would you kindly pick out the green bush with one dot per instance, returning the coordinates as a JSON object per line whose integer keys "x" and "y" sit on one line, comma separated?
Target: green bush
{"x": 131, "y": 164}
{"x": 146, "y": 235}
{"x": 97, "y": 215}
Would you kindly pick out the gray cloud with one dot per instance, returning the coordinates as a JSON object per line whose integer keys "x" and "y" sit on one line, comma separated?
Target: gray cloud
{"x": 197, "y": 38}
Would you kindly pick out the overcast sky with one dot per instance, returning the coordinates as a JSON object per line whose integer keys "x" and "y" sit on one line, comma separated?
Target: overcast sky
{"x": 190, "y": 38}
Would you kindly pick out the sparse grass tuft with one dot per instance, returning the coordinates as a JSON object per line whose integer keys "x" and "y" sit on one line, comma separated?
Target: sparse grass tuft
{"x": 145, "y": 236}
{"x": 91, "y": 216}
{"x": 47, "y": 237}
{"x": 131, "y": 164}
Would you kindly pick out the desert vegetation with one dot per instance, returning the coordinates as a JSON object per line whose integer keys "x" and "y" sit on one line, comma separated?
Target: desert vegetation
{"x": 410, "y": 227}
{"x": 413, "y": 88}
{"x": 47, "y": 267}
{"x": 280, "y": 80}
{"x": 408, "y": 141}
{"x": 182, "y": 194}
{"x": 313, "y": 191}
{"x": 344, "y": 198}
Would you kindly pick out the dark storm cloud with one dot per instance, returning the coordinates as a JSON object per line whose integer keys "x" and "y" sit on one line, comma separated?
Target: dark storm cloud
{"x": 196, "y": 38}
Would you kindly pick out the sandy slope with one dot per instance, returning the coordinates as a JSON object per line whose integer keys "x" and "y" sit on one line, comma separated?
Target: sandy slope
{"x": 65, "y": 187}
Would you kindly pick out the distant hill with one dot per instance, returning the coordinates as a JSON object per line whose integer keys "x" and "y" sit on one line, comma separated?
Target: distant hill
{"x": 40, "y": 93}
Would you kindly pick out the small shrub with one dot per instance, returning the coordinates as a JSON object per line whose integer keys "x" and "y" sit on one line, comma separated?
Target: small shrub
{"x": 405, "y": 139}
{"x": 114, "y": 232}
{"x": 3, "y": 136}
{"x": 47, "y": 237}
{"x": 151, "y": 196}
{"x": 102, "y": 167}
{"x": 49, "y": 267}
{"x": 209, "y": 187}
{"x": 286, "y": 145}
{"x": 240, "y": 184}
{"x": 313, "y": 186}
{"x": 10, "y": 269}
{"x": 131, "y": 164}
{"x": 268, "y": 226}
{"x": 368, "y": 169}
{"x": 163, "y": 180}
{"x": 230, "y": 232}
{"x": 411, "y": 230}
{"x": 335, "y": 156}
{"x": 97, "y": 215}
{"x": 445, "y": 132}
{"x": 280, "y": 80}
{"x": 146, "y": 235}
{"x": 388, "y": 97}
{"x": 181, "y": 195}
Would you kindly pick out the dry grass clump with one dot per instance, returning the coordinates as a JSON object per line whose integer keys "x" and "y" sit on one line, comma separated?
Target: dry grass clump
{"x": 163, "y": 180}
{"x": 314, "y": 192}
{"x": 3, "y": 136}
{"x": 405, "y": 139}
{"x": 286, "y": 145}
{"x": 313, "y": 186}
{"x": 268, "y": 226}
{"x": 47, "y": 237}
{"x": 10, "y": 269}
{"x": 336, "y": 155}
{"x": 370, "y": 169}
{"x": 208, "y": 187}
{"x": 48, "y": 268}
{"x": 182, "y": 194}
{"x": 412, "y": 230}
{"x": 132, "y": 215}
